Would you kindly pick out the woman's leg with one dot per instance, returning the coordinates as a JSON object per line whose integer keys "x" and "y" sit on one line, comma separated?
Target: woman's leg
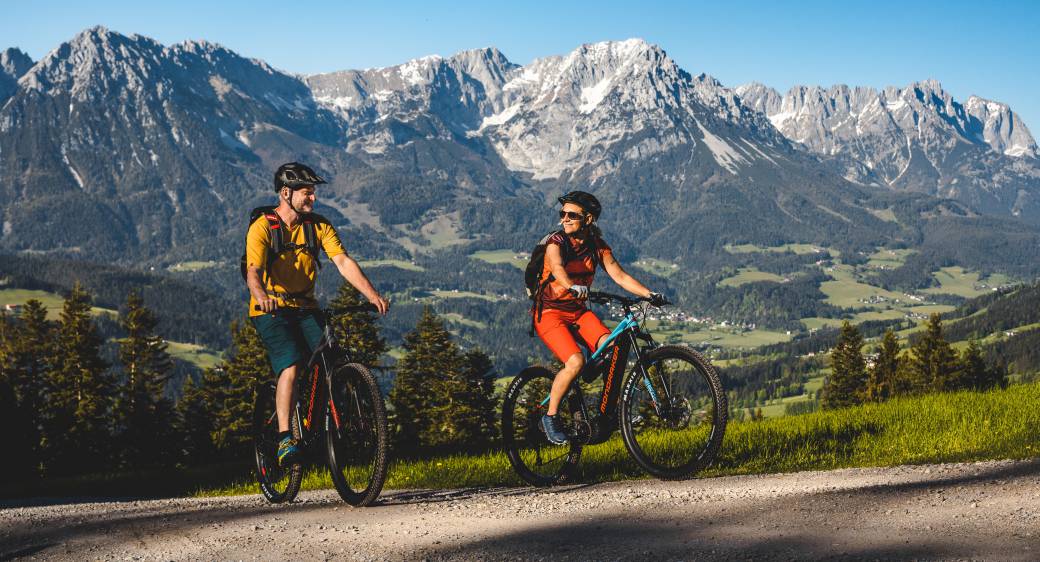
{"x": 554, "y": 330}
{"x": 563, "y": 381}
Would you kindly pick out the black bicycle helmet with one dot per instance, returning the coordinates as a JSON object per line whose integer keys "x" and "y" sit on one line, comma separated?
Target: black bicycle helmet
{"x": 295, "y": 175}
{"x": 586, "y": 201}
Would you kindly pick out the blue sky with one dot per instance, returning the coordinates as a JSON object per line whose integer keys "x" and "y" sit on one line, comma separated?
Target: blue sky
{"x": 990, "y": 49}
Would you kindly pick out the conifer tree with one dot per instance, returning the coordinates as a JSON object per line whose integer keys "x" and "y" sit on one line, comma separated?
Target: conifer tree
{"x": 845, "y": 386}
{"x": 975, "y": 373}
{"x": 933, "y": 363}
{"x": 232, "y": 389}
{"x": 26, "y": 355}
{"x": 77, "y": 416}
{"x": 882, "y": 377}
{"x": 356, "y": 331}
{"x": 195, "y": 421}
{"x": 143, "y": 412}
{"x": 423, "y": 376}
{"x": 480, "y": 374}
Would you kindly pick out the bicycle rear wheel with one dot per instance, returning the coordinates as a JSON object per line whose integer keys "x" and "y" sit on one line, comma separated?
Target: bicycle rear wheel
{"x": 356, "y": 435}
{"x": 673, "y": 421}
{"x": 533, "y": 457}
{"x": 277, "y": 484}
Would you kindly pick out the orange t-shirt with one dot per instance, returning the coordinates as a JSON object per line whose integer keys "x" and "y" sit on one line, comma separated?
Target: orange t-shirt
{"x": 580, "y": 268}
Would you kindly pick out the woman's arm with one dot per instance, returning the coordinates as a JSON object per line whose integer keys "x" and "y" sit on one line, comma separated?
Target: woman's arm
{"x": 555, "y": 259}
{"x": 623, "y": 279}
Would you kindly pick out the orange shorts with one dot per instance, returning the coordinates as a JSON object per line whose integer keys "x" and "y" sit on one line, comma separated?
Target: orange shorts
{"x": 557, "y": 336}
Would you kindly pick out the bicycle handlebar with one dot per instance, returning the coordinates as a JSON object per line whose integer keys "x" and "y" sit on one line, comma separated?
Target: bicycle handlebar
{"x": 600, "y": 297}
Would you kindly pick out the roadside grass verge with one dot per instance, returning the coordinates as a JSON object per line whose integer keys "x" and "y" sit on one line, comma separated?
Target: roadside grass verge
{"x": 955, "y": 427}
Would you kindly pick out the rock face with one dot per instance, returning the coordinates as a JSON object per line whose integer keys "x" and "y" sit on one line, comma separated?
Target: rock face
{"x": 146, "y": 151}
{"x": 916, "y": 138}
{"x": 13, "y": 64}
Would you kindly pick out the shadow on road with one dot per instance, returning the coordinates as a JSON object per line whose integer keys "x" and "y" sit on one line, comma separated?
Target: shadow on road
{"x": 408, "y": 497}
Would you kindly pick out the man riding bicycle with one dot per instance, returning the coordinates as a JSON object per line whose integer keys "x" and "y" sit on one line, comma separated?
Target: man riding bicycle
{"x": 284, "y": 279}
{"x": 560, "y": 303}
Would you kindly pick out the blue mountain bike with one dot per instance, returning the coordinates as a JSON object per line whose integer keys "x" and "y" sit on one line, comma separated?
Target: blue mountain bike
{"x": 671, "y": 408}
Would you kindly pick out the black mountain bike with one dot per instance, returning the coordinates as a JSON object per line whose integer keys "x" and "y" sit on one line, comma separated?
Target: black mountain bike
{"x": 338, "y": 404}
{"x": 671, "y": 408}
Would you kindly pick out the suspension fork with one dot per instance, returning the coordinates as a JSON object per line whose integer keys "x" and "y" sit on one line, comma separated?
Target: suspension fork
{"x": 648, "y": 383}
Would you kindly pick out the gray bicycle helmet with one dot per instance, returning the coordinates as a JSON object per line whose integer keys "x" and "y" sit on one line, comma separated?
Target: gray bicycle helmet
{"x": 295, "y": 175}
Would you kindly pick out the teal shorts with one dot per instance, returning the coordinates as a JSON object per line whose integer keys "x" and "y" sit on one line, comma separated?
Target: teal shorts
{"x": 290, "y": 337}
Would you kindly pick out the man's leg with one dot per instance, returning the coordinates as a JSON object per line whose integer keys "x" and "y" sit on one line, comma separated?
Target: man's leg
{"x": 283, "y": 397}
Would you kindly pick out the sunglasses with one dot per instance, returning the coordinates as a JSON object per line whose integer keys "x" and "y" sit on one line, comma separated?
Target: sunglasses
{"x": 572, "y": 215}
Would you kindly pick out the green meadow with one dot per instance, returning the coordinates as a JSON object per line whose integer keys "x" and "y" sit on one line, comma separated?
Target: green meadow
{"x": 955, "y": 427}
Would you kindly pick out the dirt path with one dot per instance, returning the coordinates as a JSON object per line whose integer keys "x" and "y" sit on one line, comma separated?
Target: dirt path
{"x": 961, "y": 511}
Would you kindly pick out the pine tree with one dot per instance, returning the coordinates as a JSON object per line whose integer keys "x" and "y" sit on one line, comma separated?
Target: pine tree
{"x": 26, "y": 355}
{"x": 77, "y": 420}
{"x": 143, "y": 412}
{"x": 356, "y": 331}
{"x": 881, "y": 380}
{"x": 195, "y": 421}
{"x": 423, "y": 378}
{"x": 848, "y": 377}
{"x": 232, "y": 389}
{"x": 975, "y": 373}
{"x": 933, "y": 363}
{"x": 480, "y": 373}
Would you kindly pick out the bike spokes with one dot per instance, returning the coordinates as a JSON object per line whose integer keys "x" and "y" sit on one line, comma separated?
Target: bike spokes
{"x": 673, "y": 415}
{"x": 356, "y": 435}
{"x": 534, "y": 458}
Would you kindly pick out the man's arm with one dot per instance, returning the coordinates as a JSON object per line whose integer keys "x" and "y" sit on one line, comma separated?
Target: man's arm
{"x": 351, "y": 271}
{"x": 256, "y": 288}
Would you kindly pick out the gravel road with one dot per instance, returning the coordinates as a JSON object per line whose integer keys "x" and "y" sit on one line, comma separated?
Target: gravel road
{"x": 987, "y": 510}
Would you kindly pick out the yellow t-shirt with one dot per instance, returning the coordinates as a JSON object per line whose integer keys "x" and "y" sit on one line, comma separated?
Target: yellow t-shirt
{"x": 293, "y": 271}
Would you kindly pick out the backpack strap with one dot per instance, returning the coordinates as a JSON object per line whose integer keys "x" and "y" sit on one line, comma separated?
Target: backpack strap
{"x": 310, "y": 237}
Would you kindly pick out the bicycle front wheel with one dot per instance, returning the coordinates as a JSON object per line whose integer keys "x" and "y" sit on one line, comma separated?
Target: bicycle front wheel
{"x": 533, "y": 457}
{"x": 278, "y": 484}
{"x": 356, "y": 435}
{"x": 673, "y": 417}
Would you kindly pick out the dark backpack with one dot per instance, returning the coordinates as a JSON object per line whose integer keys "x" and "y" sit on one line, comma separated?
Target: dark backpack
{"x": 279, "y": 245}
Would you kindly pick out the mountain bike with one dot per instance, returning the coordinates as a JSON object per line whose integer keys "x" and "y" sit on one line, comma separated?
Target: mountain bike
{"x": 671, "y": 408}
{"x": 338, "y": 404}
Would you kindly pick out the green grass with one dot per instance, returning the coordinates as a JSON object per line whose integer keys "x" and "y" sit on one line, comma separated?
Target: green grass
{"x": 958, "y": 281}
{"x": 749, "y": 275}
{"x": 399, "y": 264}
{"x": 796, "y": 248}
{"x": 958, "y": 427}
{"x": 194, "y": 265}
{"x": 461, "y": 295}
{"x": 516, "y": 259}
{"x": 847, "y": 292}
{"x": 887, "y": 215}
{"x": 656, "y": 266}
{"x": 457, "y": 318}
{"x": 52, "y": 302}
{"x": 195, "y": 354}
{"x": 724, "y": 337}
{"x": 890, "y": 259}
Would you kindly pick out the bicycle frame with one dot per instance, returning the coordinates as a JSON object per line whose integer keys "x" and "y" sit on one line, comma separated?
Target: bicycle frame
{"x": 621, "y": 341}
{"x": 319, "y": 402}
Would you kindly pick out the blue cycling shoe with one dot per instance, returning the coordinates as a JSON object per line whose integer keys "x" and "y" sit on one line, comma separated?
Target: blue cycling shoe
{"x": 553, "y": 431}
{"x": 288, "y": 452}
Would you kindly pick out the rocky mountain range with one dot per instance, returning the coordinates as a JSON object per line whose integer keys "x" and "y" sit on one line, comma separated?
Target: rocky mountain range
{"x": 141, "y": 151}
{"x": 916, "y": 138}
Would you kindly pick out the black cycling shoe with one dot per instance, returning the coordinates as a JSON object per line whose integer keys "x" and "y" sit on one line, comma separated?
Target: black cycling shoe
{"x": 551, "y": 427}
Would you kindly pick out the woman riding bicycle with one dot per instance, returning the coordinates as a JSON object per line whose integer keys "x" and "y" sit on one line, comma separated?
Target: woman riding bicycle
{"x": 560, "y": 304}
